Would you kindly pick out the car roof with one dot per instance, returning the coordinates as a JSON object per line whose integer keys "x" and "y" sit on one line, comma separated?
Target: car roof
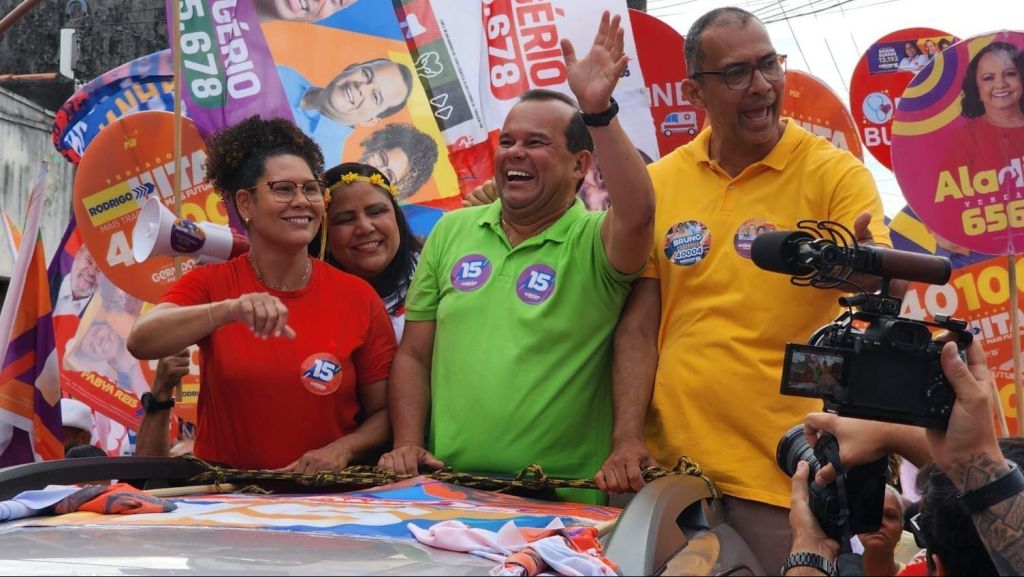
{"x": 112, "y": 550}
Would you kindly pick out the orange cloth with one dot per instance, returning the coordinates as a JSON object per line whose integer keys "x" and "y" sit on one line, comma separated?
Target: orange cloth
{"x": 119, "y": 499}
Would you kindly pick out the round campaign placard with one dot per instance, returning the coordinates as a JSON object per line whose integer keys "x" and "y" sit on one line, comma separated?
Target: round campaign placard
{"x": 818, "y": 109}
{"x": 884, "y": 70}
{"x": 958, "y": 144}
{"x": 129, "y": 161}
{"x": 659, "y": 51}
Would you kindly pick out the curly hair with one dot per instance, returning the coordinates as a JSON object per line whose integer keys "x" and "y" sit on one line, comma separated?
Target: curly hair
{"x": 971, "y": 105}
{"x": 236, "y": 155}
{"x": 395, "y": 278}
{"x": 418, "y": 146}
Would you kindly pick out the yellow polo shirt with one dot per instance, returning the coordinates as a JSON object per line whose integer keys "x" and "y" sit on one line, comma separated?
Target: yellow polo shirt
{"x": 725, "y": 322}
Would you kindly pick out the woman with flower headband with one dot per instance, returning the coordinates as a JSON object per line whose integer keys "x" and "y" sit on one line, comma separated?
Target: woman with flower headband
{"x": 287, "y": 366}
{"x": 368, "y": 235}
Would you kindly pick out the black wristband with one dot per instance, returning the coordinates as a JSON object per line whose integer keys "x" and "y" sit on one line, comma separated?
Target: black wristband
{"x": 601, "y": 118}
{"x": 1006, "y": 486}
{"x": 812, "y": 560}
{"x": 151, "y": 405}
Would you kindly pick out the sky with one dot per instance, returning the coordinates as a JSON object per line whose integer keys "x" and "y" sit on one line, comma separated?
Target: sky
{"x": 829, "y": 44}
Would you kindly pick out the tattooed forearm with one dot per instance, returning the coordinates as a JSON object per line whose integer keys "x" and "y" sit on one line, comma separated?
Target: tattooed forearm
{"x": 977, "y": 470}
{"x": 1001, "y": 526}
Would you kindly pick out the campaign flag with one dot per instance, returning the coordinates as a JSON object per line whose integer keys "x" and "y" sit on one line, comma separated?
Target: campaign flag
{"x": 13, "y": 234}
{"x": 30, "y": 421}
{"x": 476, "y": 57}
{"x": 146, "y": 83}
{"x": 227, "y": 71}
{"x": 342, "y": 72}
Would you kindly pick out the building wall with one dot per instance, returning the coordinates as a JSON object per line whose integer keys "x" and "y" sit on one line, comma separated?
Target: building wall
{"x": 111, "y": 33}
{"x": 24, "y": 142}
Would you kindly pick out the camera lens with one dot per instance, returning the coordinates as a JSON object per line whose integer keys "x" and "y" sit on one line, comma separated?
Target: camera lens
{"x": 792, "y": 449}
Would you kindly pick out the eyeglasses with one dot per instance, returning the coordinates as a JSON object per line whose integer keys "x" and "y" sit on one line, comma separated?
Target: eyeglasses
{"x": 284, "y": 190}
{"x": 740, "y": 76}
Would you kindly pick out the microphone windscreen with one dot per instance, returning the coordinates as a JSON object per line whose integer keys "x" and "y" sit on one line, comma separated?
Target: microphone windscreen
{"x": 913, "y": 266}
{"x": 778, "y": 251}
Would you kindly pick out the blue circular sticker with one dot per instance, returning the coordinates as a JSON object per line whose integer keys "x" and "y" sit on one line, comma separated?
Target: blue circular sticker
{"x": 687, "y": 243}
{"x": 747, "y": 232}
{"x": 535, "y": 284}
{"x": 471, "y": 272}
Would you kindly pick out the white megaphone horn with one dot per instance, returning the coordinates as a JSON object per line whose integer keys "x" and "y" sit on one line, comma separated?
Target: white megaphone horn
{"x": 158, "y": 233}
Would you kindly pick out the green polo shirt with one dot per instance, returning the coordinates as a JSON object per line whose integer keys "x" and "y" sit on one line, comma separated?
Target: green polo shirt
{"x": 521, "y": 369}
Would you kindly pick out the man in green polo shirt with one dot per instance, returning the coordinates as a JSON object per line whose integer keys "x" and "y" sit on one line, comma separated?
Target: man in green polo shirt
{"x": 509, "y": 319}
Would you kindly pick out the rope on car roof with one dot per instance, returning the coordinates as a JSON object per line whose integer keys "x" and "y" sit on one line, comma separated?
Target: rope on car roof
{"x": 530, "y": 478}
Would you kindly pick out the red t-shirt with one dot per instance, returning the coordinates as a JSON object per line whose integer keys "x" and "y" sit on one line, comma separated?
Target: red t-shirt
{"x": 263, "y": 403}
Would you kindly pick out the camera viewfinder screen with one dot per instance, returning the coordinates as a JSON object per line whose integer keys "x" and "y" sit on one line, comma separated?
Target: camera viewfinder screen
{"x": 811, "y": 371}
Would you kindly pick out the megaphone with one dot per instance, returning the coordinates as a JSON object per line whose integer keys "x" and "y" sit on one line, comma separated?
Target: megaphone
{"x": 158, "y": 233}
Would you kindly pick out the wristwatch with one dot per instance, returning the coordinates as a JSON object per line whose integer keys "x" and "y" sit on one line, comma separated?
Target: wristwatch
{"x": 1006, "y": 486}
{"x": 812, "y": 560}
{"x": 151, "y": 405}
{"x": 601, "y": 118}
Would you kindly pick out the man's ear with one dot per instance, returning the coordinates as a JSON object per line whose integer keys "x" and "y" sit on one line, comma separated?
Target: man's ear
{"x": 584, "y": 158}
{"x": 693, "y": 91}
{"x": 940, "y": 571}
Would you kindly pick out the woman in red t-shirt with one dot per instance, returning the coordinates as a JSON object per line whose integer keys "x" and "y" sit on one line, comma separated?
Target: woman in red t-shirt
{"x": 295, "y": 353}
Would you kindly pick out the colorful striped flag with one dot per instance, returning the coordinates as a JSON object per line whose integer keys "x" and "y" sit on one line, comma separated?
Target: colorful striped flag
{"x": 30, "y": 424}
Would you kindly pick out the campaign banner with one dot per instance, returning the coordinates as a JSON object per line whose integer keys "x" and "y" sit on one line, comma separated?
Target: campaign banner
{"x": 816, "y": 107}
{"x": 878, "y": 82}
{"x": 660, "y": 54}
{"x": 91, "y": 319}
{"x": 476, "y": 57}
{"x": 363, "y": 104}
{"x": 360, "y": 103}
{"x": 958, "y": 144}
{"x": 227, "y": 72}
{"x": 978, "y": 292}
{"x": 146, "y": 83}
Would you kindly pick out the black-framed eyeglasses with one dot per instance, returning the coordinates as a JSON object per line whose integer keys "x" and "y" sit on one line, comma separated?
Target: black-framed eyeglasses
{"x": 284, "y": 190}
{"x": 739, "y": 76}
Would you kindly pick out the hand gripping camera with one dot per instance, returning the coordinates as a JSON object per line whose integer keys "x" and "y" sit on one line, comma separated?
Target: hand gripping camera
{"x": 869, "y": 362}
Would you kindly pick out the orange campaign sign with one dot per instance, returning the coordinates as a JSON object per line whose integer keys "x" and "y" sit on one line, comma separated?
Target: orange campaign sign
{"x": 128, "y": 162}
{"x": 817, "y": 108}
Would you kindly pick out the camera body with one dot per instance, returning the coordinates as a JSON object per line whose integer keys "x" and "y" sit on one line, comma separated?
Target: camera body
{"x": 872, "y": 364}
{"x": 858, "y": 508}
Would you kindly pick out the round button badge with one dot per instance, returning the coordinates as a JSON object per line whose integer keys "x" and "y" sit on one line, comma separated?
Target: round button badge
{"x": 321, "y": 373}
{"x": 470, "y": 273}
{"x": 535, "y": 284}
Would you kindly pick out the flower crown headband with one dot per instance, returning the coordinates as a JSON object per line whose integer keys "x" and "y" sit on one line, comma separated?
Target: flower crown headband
{"x": 350, "y": 177}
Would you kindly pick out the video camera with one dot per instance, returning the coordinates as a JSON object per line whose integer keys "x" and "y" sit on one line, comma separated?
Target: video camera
{"x": 869, "y": 362}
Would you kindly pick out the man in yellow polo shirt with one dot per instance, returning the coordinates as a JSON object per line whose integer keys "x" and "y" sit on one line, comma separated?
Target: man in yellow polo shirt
{"x": 702, "y": 338}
